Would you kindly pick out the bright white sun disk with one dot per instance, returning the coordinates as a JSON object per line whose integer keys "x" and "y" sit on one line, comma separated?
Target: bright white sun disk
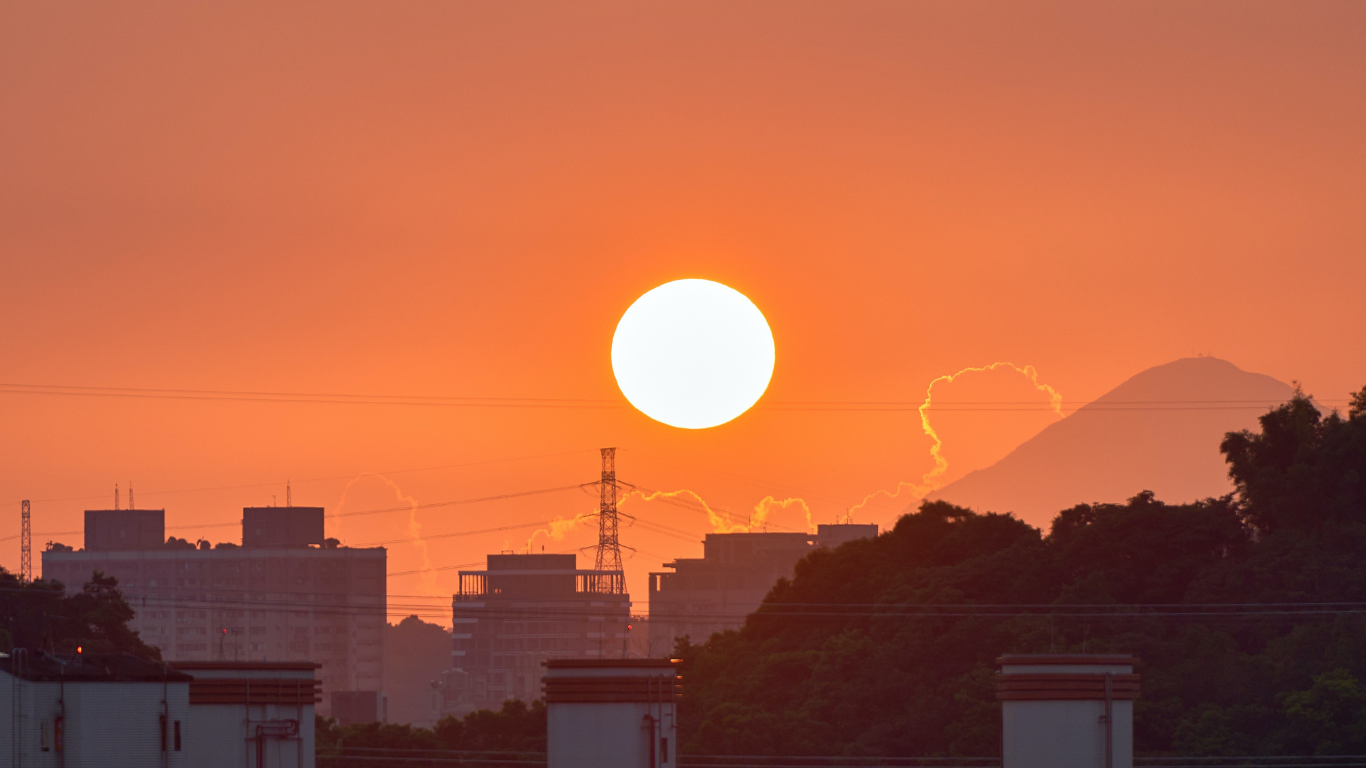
{"x": 693, "y": 354}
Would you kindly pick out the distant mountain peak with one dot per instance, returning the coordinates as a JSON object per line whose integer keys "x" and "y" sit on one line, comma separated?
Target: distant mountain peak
{"x": 1160, "y": 430}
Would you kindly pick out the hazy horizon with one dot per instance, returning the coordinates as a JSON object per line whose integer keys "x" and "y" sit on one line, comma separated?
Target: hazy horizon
{"x": 460, "y": 201}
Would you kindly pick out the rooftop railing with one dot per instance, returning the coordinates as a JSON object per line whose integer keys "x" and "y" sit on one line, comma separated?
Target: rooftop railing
{"x": 561, "y": 583}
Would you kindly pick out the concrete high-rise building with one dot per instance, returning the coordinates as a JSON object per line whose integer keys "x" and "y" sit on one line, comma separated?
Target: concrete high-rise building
{"x": 522, "y": 611}
{"x": 717, "y": 591}
{"x": 288, "y": 595}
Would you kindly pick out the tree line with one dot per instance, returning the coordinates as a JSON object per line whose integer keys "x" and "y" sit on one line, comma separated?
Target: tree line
{"x": 1248, "y": 612}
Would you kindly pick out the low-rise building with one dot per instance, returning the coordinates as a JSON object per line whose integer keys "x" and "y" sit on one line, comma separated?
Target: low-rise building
{"x": 117, "y": 711}
{"x": 715, "y": 592}
{"x": 521, "y": 611}
{"x": 289, "y": 595}
{"x": 252, "y": 713}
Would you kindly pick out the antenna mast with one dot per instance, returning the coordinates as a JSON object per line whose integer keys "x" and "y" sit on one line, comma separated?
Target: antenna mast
{"x": 25, "y": 546}
{"x": 609, "y": 548}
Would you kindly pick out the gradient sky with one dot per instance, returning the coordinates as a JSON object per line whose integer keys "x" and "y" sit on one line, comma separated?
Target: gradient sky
{"x": 460, "y": 199}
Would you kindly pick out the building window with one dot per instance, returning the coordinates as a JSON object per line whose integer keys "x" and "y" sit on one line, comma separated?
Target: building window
{"x": 177, "y": 735}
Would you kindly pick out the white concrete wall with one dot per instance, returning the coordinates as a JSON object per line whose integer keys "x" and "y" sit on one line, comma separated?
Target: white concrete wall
{"x": 1065, "y": 734}
{"x": 593, "y": 735}
{"x": 222, "y": 735}
{"x": 107, "y": 725}
{"x": 117, "y": 725}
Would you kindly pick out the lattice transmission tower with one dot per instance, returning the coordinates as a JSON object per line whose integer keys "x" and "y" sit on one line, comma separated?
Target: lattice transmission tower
{"x": 25, "y": 545}
{"x": 609, "y": 547}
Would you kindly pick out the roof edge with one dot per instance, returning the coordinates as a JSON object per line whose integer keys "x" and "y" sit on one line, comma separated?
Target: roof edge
{"x": 1072, "y": 659}
{"x": 608, "y": 663}
{"x": 246, "y": 665}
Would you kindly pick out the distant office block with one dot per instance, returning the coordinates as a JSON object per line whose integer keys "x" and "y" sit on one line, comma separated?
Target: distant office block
{"x": 280, "y": 600}
{"x": 717, "y": 591}
{"x": 358, "y": 707}
{"x": 282, "y": 527}
{"x": 1067, "y": 711}
{"x": 832, "y": 536}
{"x": 611, "y": 712}
{"x": 522, "y": 611}
{"x": 123, "y": 529}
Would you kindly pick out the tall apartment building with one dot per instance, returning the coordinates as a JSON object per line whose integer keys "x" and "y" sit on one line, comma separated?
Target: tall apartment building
{"x": 521, "y": 611}
{"x": 286, "y": 594}
{"x": 717, "y": 591}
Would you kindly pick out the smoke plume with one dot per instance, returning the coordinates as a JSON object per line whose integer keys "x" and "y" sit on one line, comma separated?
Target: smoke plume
{"x": 933, "y": 479}
{"x": 414, "y": 526}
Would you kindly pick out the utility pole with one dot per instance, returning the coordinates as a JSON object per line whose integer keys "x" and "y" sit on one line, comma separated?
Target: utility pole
{"x": 609, "y": 547}
{"x": 25, "y": 545}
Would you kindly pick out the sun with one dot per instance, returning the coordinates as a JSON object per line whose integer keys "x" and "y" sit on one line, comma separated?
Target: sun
{"x": 693, "y": 354}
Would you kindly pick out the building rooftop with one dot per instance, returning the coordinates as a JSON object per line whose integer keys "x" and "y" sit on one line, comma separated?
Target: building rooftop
{"x": 1065, "y": 659}
{"x": 170, "y": 553}
{"x": 274, "y": 666}
{"x": 88, "y": 667}
{"x": 608, "y": 663}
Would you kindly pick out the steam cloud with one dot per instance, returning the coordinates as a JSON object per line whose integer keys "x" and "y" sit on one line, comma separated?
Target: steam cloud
{"x": 721, "y": 520}
{"x": 556, "y": 531}
{"x": 414, "y": 526}
{"x": 933, "y": 479}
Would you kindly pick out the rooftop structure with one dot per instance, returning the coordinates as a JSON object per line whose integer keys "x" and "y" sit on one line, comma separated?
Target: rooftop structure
{"x": 281, "y": 599}
{"x": 282, "y": 527}
{"x": 717, "y": 591}
{"x": 521, "y": 611}
{"x": 119, "y": 529}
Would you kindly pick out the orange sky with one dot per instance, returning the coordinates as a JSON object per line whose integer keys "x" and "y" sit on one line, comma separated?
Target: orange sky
{"x": 457, "y": 198}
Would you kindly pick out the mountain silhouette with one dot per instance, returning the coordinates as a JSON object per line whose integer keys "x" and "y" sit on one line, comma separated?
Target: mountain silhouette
{"x": 1158, "y": 431}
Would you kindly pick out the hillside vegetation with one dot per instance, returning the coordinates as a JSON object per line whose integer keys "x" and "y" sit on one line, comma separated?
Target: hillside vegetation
{"x": 886, "y": 646}
{"x": 41, "y": 616}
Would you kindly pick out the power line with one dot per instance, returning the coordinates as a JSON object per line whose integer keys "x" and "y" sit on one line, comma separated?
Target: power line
{"x": 333, "y": 398}
{"x": 305, "y": 397}
{"x": 333, "y": 478}
{"x": 458, "y": 502}
{"x": 185, "y": 598}
{"x": 429, "y": 505}
{"x": 429, "y": 570}
{"x": 456, "y": 534}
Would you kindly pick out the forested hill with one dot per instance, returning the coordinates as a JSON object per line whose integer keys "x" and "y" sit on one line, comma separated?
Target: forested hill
{"x": 1246, "y": 612}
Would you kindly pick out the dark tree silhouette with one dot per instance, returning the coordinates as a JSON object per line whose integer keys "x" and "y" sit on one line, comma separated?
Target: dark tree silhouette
{"x": 41, "y": 616}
